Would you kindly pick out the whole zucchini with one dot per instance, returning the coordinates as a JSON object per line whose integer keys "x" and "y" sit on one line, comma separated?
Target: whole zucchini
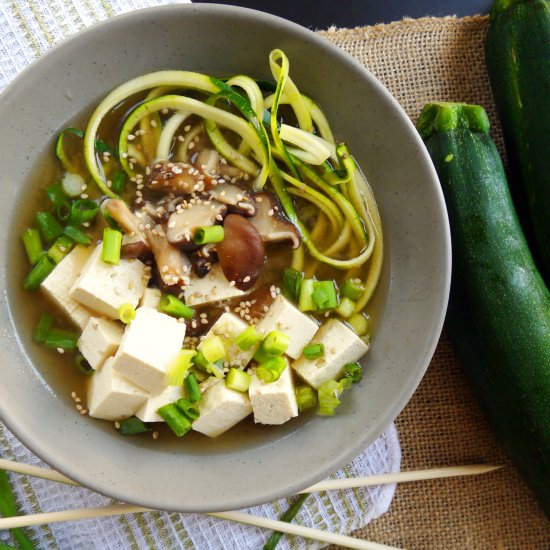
{"x": 499, "y": 311}
{"x": 517, "y": 52}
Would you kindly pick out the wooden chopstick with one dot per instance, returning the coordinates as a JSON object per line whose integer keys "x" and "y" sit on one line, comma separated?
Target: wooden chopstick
{"x": 240, "y": 517}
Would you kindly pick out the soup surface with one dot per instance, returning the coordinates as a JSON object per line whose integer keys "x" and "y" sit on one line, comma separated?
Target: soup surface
{"x": 236, "y": 188}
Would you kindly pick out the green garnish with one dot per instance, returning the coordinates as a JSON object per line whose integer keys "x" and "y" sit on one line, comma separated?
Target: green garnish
{"x": 48, "y": 226}
{"x": 238, "y": 380}
{"x": 112, "y": 243}
{"x": 248, "y": 338}
{"x": 192, "y": 388}
{"x": 352, "y": 289}
{"x": 314, "y": 351}
{"x": 44, "y": 266}
{"x": 133, "y": 426}
{"x": 271, "y": 370}
{"x": 305, "y": 397}
{"x": 33, "y": 244}
{"x": 172, "y": 306}
{"x": 175, "y": 419}
{"x": 42, "y": 328}
{"x": 209, "y": 234}
{"x": 126, "y": 313}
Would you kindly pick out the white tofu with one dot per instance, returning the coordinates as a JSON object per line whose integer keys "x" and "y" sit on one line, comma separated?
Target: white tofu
{"x": 105, "y": 287}
{"x": 212, "y": 288}
{"x": 58, "y": 283}
{"x": 111, "y": 396}
{"x": 227, "y": 327}
{"x": 274, "y": 402}
{"x": 148, "y": 411}
{"x": 151, "y": 298}
{"x": 99, "y": 340}
{"x": 150, "y": 343}
{"x": 285, "y": 317}
{"x": 221, "y": 408}
{"x": 342, "y": 346}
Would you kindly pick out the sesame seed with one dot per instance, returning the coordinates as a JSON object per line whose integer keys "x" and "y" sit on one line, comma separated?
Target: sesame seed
{"x": 187, "y": 128}
{"x": 155, "y": 435}
{"x": 246, "y": 279}
{"x": 131, "y": 137}
{"x": 79, "y": 407}
{"x": 60, "y": 350}
{"x": 83, "y": 412}
{"x": 117, "y": 424}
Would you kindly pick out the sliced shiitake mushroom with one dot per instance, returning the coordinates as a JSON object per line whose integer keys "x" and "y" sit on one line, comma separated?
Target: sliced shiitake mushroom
{"x": 237, "y": 199}
{"x": 187, "y": 218}
{"x": 175, "y": 177}
{"x": 173, "y": 265}
{"x": 241, "y": 253}
{"x": 270, "y": 223}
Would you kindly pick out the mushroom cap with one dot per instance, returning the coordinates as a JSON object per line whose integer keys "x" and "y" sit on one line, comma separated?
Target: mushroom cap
{"x": 270, "y": 223}
{"x": 241, "y": 253}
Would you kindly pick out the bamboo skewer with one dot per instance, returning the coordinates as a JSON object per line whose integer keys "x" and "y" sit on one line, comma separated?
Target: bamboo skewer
{"x": 240, "y": 517}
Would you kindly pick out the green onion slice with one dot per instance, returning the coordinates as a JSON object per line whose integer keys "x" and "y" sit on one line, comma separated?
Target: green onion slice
{"x": 173, "y": 306}
{"x": 238, "y": 380}
{"x": 133, "y": 426}
{"x": 209, "y": 234}
{"x": 112, "y": 242}
{"x": 33, "y": 244}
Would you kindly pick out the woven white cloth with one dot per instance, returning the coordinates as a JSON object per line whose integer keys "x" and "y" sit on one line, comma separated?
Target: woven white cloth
{"x": 27, "y": 29}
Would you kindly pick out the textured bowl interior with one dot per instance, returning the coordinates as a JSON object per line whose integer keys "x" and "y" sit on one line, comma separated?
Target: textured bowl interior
{"x": 413, "y": 296}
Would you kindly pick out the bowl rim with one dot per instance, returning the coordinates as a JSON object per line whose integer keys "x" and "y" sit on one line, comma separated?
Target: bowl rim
{"x": 344, "y": 456}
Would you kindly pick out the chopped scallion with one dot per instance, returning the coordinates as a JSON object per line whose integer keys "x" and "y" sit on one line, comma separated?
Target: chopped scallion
{"x": 73, "y": 184}
{"x": 212, "y": 349}
{"x": 83, "y": 211}
{"x": 61, "y": 339}
{"x": 77, "y": 236}
{"x": 352, "y": 289}
{"x": 346, "y": 308}
{"x": 271, "y": 370}
{"x": 305, "y": 302}
{"x": 44, "y": 266}
{"x": 209, "y": 234}
{"x": 329, "y": 396}
{"x": 112, "y": 242}
{"x": 133, "y": 426}
{"x": 33, "y": 244}
{"x": 248, "y": 338}
{"x": 60, "y": 248}
{"x": 238, "y": 380}
{"x": 42, "y": 328}
{"x": 175, "y": 419}
{"x": 353, "y": 371}
{"x": 48, "y": 226}
{"x": 59, "y": 200}
{"x": 83, "y": 366}
{"x": 314, "y": 351}
{"x": 292, "y": 282}
{"x": 190, "y": 410}
{"x": 359, "y": 323}
{"x": 179, "y": 367}
{"x": 305, "y": 397}
{"x": 324, "y": 295}
{"x": 126, "y": 313}
{"x": 276, "y": 343}
{"x": 172, "y": 306}
{"x": 192, "y": 388}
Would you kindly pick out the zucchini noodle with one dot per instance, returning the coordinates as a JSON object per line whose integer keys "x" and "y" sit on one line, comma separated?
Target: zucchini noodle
{"x": 244, "y": 124}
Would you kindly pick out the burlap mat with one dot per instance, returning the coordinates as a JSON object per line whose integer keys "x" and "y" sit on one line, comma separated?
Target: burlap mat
{"x": 420, "y": 61}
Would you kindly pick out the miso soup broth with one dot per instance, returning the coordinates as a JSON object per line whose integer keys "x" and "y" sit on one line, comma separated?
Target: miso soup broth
{"x": 222, "y": 210}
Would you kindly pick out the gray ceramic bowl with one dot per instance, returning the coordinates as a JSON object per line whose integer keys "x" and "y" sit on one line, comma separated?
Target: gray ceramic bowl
{"x": 227, "y": 474}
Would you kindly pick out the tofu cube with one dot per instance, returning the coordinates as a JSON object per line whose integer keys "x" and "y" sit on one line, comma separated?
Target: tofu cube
{"x": 274, "y": 402}
{"x": 151, "y": 298}
{"x": 148, "y": 411}
{"x": 58, "y": 283}
{"x": 99, "y": 340}
{"x": 227, "y": 327}
{"x": 342, "y": 346}
{"x": 285, "y": 317}
{"x": 105, "y": 287}
{"x": 149, "y": 344}
{"x": 111, "y": 396}
{"x": 212, "y": 288}
{"x": 221, "y": 408}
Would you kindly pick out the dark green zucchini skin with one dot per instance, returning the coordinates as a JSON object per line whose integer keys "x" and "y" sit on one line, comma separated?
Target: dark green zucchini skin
{"x": 517, "y": 53}
{"x": 499, "y": 312}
